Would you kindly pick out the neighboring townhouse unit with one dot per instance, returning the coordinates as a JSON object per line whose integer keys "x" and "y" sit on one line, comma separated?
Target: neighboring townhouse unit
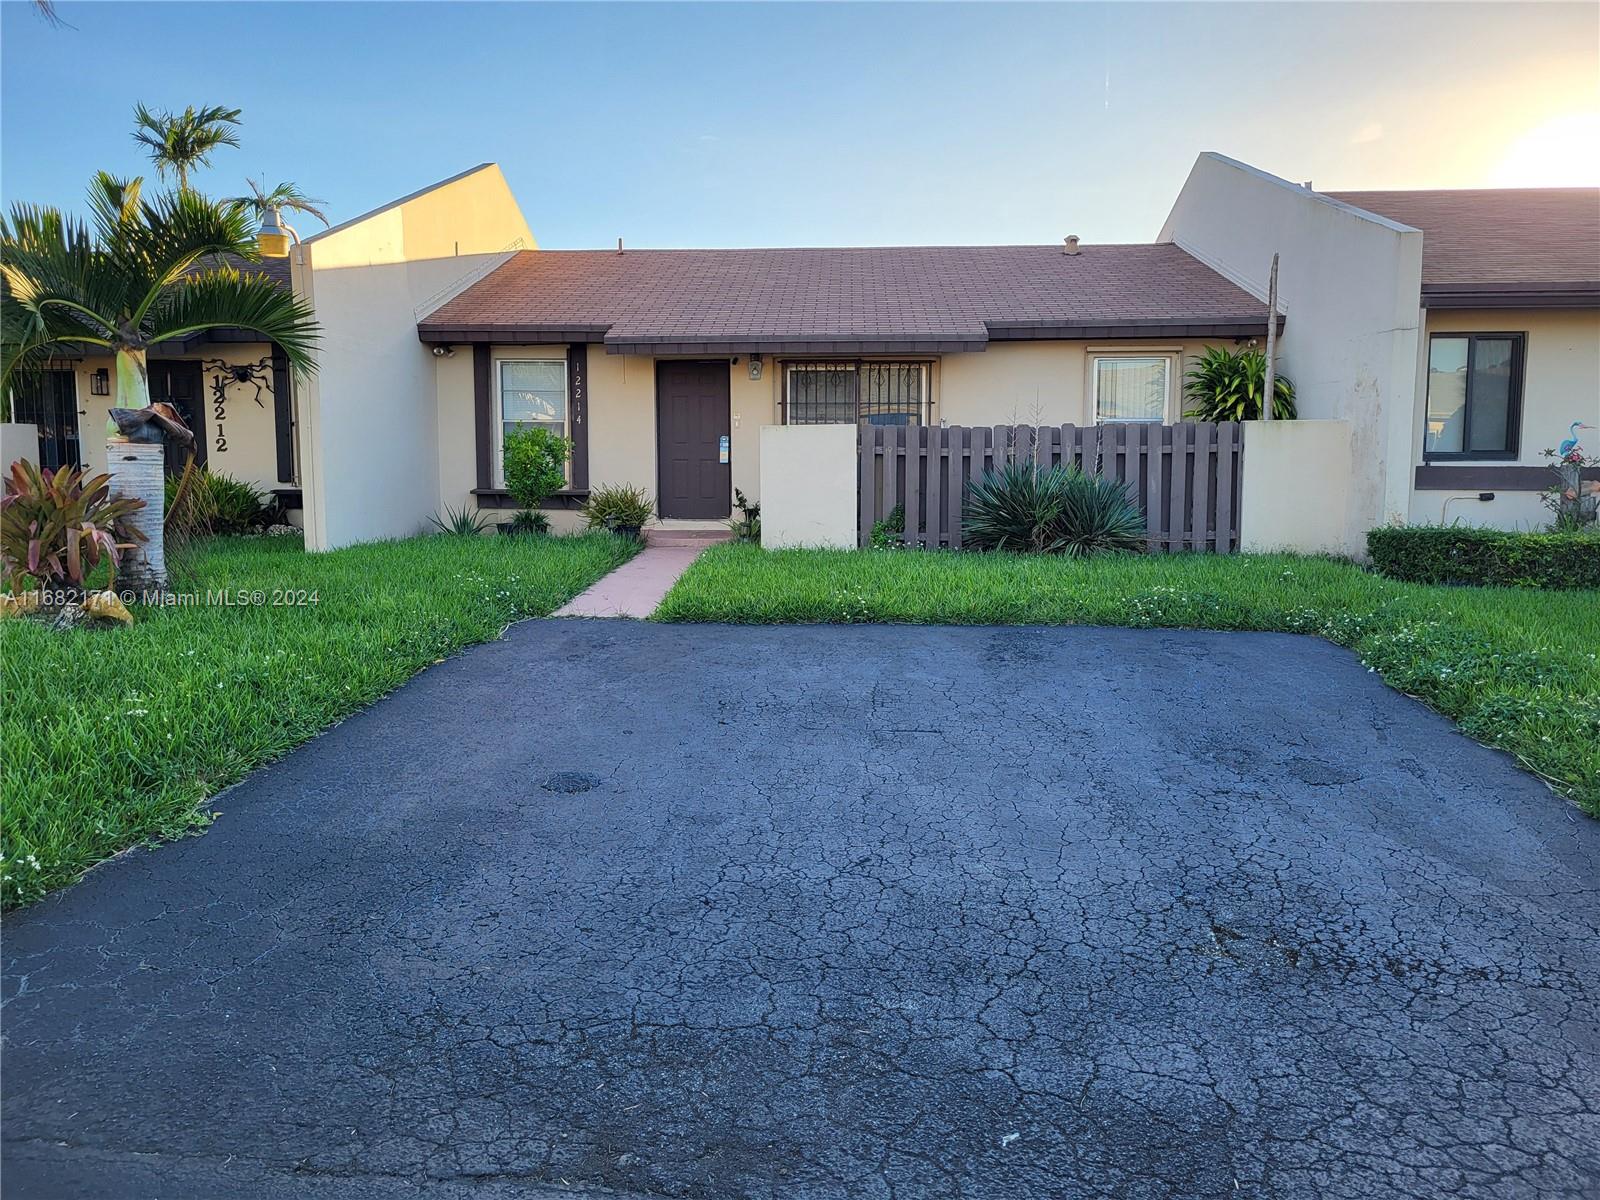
{"x": 445, "y": 326}
{"x": 1509, "y": 342}
{"x": 235, "y": 391}
{"x": 1458, "y": 331}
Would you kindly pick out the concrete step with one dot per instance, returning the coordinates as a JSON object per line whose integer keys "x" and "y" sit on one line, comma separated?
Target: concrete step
{"x": 697, "y": 538}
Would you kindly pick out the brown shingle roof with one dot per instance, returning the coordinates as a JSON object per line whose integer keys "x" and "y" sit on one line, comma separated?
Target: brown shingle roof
{"x": 833, "y": 300}
{"x": 1491, "y": 238}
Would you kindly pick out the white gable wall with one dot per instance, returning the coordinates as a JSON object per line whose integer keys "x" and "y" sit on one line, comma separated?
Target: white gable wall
{"x": 1349, "y": 285}
{"x": 368, "y": 420}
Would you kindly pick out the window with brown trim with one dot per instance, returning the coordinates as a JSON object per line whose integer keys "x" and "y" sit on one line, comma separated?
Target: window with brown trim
{"x": 863, "y": 391}
{"x": 1474, "y": 396}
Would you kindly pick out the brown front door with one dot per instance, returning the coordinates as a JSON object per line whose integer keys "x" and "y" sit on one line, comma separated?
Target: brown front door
{"x": 177, "y": 381}
{"x": 692, "y": 428}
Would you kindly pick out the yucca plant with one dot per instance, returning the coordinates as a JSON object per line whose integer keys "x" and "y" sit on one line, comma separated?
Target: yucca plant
{"x": 1227, "y": 386}
{"x": 135, "y": 275}
{"x": 460, "y": 522}
{"x": 1057, "y": 510}
{"x": 56, "y": 526}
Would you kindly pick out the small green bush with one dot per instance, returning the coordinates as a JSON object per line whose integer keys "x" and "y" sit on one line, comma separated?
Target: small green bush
{"x": 618, "y": 506}
{"x": 747, "y": 525}
{"x": 890, "y": 531}
{"x": 1056, "y": 511}
{"x": 527, "y": 523}
{"x": 535, "y": 465}
{"x": 1486, "y": 557}
{"x": 219, "y": 503}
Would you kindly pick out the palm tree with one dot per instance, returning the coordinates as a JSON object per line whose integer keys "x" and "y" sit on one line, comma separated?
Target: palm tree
{"x": 141, "y": 271}
{"x": 286, "y": 196}
{"x": 180, "y": 143}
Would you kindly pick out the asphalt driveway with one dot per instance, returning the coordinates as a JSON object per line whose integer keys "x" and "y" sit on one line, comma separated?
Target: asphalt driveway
{"x": 610, "y": 908}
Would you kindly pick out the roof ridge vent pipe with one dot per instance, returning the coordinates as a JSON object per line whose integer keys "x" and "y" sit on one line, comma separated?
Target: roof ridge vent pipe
{"x": 1071, "y": 246}
{"x": 619, "y": 245}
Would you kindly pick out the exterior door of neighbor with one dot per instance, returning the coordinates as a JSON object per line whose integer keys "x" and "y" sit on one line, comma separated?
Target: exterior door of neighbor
{"x": 49, "y": 399}
{"x": 178, "y": 383}
{"x": 695, "y": 478}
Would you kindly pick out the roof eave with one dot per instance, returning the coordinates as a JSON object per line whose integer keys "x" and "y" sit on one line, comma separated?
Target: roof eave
{"x": 1511, "y": 295}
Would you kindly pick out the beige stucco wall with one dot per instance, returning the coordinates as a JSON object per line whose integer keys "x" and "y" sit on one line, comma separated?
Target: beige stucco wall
{"x": 1295, "y": 489}
{"x": 1348, "y": 287}
{"x": 622, "y": 422}
{"x": 1008, "y": 383}
{"x": 251, "y": 452}
{"x": 1041, "y": 383}
{"x": 18, "y": 440}
{"x": 808, "y": 486}
{"x": 369, "y": 418}
{"x": 1561, "y": 384}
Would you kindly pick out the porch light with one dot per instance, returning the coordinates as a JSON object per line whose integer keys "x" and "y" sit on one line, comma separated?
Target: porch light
{"x": 272, "y": 239}
{"x": 100, "y": 382}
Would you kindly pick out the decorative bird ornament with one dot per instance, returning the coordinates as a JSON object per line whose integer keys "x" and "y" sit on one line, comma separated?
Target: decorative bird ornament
{"x": 1571, "y": 443}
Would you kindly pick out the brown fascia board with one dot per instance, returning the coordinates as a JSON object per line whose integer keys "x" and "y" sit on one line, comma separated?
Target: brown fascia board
{"x": 1011, "y": 331}
{"x": 510, "y": 335}
{"x": 894, "y": 345}
{"x": 910, "y": 343}
{"x": 1511, "y": 295}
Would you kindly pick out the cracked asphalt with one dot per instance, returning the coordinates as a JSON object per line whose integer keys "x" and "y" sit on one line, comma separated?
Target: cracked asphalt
{"x": 623, "y": 909}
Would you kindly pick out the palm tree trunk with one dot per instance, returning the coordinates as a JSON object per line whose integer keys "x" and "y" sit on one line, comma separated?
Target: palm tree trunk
{"x": 138, "y": 469}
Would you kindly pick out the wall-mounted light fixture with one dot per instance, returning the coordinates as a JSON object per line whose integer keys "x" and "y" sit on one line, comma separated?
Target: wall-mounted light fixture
{"x": 755, "y": 366}
{"x": 444, "y": 351}
{"x": 100, "y": 382}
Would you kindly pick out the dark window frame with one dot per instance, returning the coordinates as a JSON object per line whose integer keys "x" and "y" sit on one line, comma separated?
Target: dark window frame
{"x": 1519, "y": 355}
{"x": 785, "y": 366}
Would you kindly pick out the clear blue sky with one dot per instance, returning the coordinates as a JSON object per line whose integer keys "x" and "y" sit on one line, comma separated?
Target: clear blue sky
{"x": 733, "y": 124}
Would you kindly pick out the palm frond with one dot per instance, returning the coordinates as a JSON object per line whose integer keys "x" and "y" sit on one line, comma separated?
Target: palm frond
{"x": 222, "y": 297}
{"x": 260, "y": 201}
{"x": 114, "y": 203}
{"x": 179, "y": 142}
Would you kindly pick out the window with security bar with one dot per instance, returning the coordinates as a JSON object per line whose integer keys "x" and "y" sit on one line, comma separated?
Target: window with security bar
{"x": 870, "y": 393}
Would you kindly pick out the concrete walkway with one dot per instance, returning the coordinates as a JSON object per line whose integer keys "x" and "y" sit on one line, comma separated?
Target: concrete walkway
{"x": 635, "y": 588}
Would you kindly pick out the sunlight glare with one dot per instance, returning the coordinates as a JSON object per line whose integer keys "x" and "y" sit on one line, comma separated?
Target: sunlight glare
{"x": 1564, "y": 151}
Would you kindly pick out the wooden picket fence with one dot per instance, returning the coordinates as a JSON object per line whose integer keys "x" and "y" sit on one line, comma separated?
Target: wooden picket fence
{"x": 1185, "y": 477}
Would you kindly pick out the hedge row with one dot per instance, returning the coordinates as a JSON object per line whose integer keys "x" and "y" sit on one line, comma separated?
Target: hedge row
{"x": 1458, "y": 554}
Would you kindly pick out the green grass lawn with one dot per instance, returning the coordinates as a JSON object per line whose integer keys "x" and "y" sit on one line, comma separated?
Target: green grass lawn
{"x": 1516, "y": 669}
{"x": 111, "y": 736}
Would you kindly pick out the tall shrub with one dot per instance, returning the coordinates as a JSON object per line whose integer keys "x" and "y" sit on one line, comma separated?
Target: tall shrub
{"x": 535, "y": 468}
{"x": 1227, "y": 385}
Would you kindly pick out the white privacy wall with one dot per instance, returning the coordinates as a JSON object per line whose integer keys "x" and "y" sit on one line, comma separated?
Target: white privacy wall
{"x": 1349, "y": 287}
{"x": 368, "y": 419}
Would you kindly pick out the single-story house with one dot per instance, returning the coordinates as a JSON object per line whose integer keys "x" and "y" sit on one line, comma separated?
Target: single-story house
{"x": 235, "y": 392}
{"x": 445, "y": 325}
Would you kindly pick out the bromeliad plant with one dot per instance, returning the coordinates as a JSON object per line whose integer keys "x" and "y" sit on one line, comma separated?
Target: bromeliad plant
{"x": 140, "y": 271}
{"x": 1227, "y": 386}
{"x": 56, "y": 526}
{"x": 620, "y": 508}
{"x": 1057, "y": 510}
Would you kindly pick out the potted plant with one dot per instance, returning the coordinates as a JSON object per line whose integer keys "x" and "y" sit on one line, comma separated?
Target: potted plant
{"x": 621, "y": 508}
{"x": 535, "y": 468}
